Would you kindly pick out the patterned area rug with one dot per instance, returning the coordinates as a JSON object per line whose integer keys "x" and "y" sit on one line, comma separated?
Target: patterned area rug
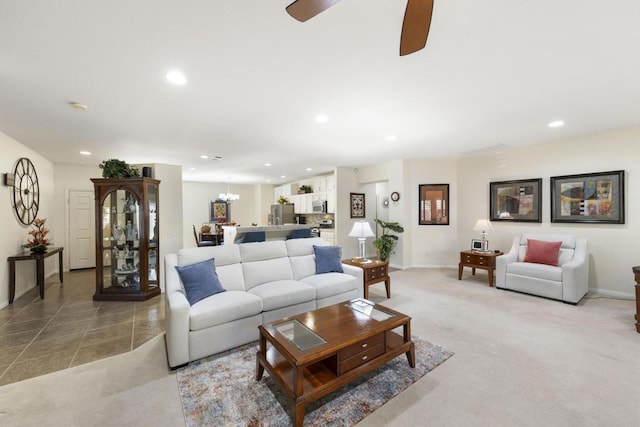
{"x": 221, "y": 390}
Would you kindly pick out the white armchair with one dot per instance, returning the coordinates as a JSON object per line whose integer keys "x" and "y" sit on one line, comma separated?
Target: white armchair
{"x": 567, "y": 282}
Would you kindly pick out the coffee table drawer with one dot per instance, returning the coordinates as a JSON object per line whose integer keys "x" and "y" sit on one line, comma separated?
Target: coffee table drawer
{"x": 360, "y": 346}
{"x": 360, "y": 358}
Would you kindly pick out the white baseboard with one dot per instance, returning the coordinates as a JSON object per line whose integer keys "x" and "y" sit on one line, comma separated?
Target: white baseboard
{"x": 613, "y": 294}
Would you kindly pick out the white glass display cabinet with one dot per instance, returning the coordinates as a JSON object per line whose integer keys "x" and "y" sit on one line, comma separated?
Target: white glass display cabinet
{"x": 127, "y": 239}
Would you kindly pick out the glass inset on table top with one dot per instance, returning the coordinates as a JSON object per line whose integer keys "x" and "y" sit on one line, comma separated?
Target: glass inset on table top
{"x": 370, "y": 309}
{"x": 299, "y": 335}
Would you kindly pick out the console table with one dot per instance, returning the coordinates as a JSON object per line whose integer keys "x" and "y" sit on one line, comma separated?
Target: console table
{"x": 39, "y": 258}
{"x": 483, "y": 260}
{"x": 636, "y": 272}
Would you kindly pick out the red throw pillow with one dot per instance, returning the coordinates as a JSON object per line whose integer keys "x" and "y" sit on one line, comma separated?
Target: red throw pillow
{"x": 542, "y": 252}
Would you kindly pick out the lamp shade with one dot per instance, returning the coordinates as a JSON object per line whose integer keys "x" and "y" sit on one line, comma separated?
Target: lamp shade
{"x": 361, "y": 229}
{"x": 483, "y": 225}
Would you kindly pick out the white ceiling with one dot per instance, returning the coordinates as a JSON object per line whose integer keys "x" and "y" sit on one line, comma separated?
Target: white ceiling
{"x": 493, "y": 74}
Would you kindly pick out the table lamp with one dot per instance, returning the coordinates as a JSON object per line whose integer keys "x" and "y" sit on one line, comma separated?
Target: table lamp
{"x": 361, "y": 230}
{"x": 483, "y": 225}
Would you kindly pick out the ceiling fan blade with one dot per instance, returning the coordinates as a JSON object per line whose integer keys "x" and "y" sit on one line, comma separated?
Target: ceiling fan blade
{"x": 303, "y": 10}
{"x": 415, "y": 27}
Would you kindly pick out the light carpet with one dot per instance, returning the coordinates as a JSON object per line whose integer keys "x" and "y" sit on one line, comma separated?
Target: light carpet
{"x": 222, "y": 390}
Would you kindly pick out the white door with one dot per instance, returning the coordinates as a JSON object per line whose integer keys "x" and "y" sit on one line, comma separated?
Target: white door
{"x": 82, "y": 239}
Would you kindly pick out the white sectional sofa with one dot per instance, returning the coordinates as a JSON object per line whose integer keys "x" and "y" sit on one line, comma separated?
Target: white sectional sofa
{"x": 567, "y": 281}
{"x": 263, "y": 282}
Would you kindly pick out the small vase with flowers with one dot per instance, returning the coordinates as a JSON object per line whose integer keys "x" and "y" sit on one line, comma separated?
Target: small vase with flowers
{"x": 38, "y": 242}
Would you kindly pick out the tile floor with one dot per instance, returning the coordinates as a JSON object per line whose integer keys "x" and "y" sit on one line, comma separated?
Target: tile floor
{"x": 68, "y": 328}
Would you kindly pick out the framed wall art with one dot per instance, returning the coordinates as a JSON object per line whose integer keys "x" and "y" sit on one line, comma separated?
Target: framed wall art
{"x": 516, "y": 201}
{"x": 433, "y": 204}
{"x": 219, "y": 211}
{"x": 356, "y": 202}
{"x": 591, "y": 198}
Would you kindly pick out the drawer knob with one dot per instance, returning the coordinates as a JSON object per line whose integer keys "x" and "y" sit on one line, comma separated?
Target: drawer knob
{"x": 364, "y": 357}
{"x": 364, "y": 345}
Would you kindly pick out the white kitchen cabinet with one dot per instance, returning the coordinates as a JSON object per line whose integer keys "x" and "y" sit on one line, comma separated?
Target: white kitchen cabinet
{"x": 331, "y": 201}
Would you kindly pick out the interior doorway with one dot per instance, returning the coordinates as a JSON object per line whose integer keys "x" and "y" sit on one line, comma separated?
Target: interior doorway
{"x": 81, "y": 226}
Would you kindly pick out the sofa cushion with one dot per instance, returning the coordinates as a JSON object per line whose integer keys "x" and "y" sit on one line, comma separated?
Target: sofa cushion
{"x": 541, "y": 252}
{"x": 283, "y": 293}
{"x": 540, "y": 271}
{"x": 328, "y": 259}
{"x": 224, "y": 255}
{"x": 259, "y": 272}
{"x": 223, "y": 308}
{"x": 199, "y": 280}
{"x": 259, "y": 251}
{"x": 300, "y": 247}
{"x": 331, "y": 284}
{"x": 303, "y": 266}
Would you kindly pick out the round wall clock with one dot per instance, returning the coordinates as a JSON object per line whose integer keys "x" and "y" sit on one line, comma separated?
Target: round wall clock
{"x": 395, "y": 196}
{"x": 26, "y": 191}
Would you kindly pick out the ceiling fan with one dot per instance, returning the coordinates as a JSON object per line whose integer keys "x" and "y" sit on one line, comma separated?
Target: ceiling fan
{"x": 415, "y": 27}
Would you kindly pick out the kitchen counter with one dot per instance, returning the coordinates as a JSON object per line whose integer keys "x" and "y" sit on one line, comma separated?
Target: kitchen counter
{"x": 272, "y": 232}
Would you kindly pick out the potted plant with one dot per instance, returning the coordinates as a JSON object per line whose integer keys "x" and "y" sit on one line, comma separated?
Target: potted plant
{"x": 114, "y": 168}
{"x": 38, "y": 242}
{"x": 387, "y": 242}
{"x": 283, "y": 200}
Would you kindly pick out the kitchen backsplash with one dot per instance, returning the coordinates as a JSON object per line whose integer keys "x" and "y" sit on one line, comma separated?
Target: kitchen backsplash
{"x": 314, "y": 219}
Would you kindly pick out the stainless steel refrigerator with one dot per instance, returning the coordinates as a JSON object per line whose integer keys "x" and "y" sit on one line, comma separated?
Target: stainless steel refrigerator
{"x": 282, "y": 214}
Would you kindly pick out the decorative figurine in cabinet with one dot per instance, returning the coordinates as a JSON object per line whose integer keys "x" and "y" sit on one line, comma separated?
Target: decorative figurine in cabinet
{"x": 127, "y": 239}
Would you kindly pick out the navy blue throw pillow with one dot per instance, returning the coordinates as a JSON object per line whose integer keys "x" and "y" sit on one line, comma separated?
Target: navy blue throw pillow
{"x": 200, "y": 280}
{"x": 328, "y": 259}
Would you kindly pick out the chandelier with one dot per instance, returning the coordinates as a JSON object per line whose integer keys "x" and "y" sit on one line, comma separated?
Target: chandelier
{"x": 228, "y": 197}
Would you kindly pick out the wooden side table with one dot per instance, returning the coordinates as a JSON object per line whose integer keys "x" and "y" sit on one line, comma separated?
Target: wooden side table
{"x": 39, "y": 258}
{"x": 482, "y": 260}
{"x": 375, "y": 271}
{"x": 636, "y": 272}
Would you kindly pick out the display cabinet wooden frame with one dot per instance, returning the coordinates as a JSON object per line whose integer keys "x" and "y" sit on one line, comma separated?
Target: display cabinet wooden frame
{"x": 127, "y": 239}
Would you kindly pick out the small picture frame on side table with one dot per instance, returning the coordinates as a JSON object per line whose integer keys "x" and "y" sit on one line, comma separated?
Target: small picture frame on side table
{"x": 476, "y": 245}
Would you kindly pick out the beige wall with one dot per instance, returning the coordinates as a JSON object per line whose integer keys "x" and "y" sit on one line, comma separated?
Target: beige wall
{"x": 614, "y": 249}
{"x": 14, "y": 233}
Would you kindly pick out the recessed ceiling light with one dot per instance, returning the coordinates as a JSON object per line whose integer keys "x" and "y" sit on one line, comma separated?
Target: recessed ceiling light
{"x": 192, "y": 169}
{"x": 322, "y": 118}
{"x": 390, "y": 138}
{"x": 556, "y": 124}
{"x": 175, "y": 77}
{"x": 85, "y": 153}
{"x": 204, "y": 156}
{"x": 283, "y": 176}
{"x": 309, "y": 169}
{"x": 268, "y": 180}
{"x": 267, "y": 164}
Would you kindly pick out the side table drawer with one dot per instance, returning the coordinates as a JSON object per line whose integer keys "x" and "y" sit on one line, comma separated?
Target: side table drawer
{"x": 375, "y": 273}
{"x": 360, "y": 358}
{"x": 475, "y": 259}
{"x": 360, "y": 346}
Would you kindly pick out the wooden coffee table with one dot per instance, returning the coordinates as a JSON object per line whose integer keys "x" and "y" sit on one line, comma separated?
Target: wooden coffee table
{"x": 313, "y": 354}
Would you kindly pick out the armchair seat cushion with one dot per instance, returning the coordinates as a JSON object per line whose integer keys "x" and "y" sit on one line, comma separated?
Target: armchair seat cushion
{"x": 541, "y": 271}
{"x": 222, "y": 308}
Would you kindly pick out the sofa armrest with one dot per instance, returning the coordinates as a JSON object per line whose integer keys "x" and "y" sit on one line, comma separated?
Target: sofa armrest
{"x": 503, "y": 260}
{"x": 358, "y": 273}
{"x": 575, "y": 274}
{"x": 177, "y": 315}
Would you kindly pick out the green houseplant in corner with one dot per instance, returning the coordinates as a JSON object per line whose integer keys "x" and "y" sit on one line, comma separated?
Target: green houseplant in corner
{"x": 387, "y": 242}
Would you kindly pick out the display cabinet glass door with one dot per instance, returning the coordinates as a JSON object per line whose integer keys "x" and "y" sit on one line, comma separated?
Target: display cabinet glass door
{"x": 121, "y": 244}
{"x": 152, "y": 199}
